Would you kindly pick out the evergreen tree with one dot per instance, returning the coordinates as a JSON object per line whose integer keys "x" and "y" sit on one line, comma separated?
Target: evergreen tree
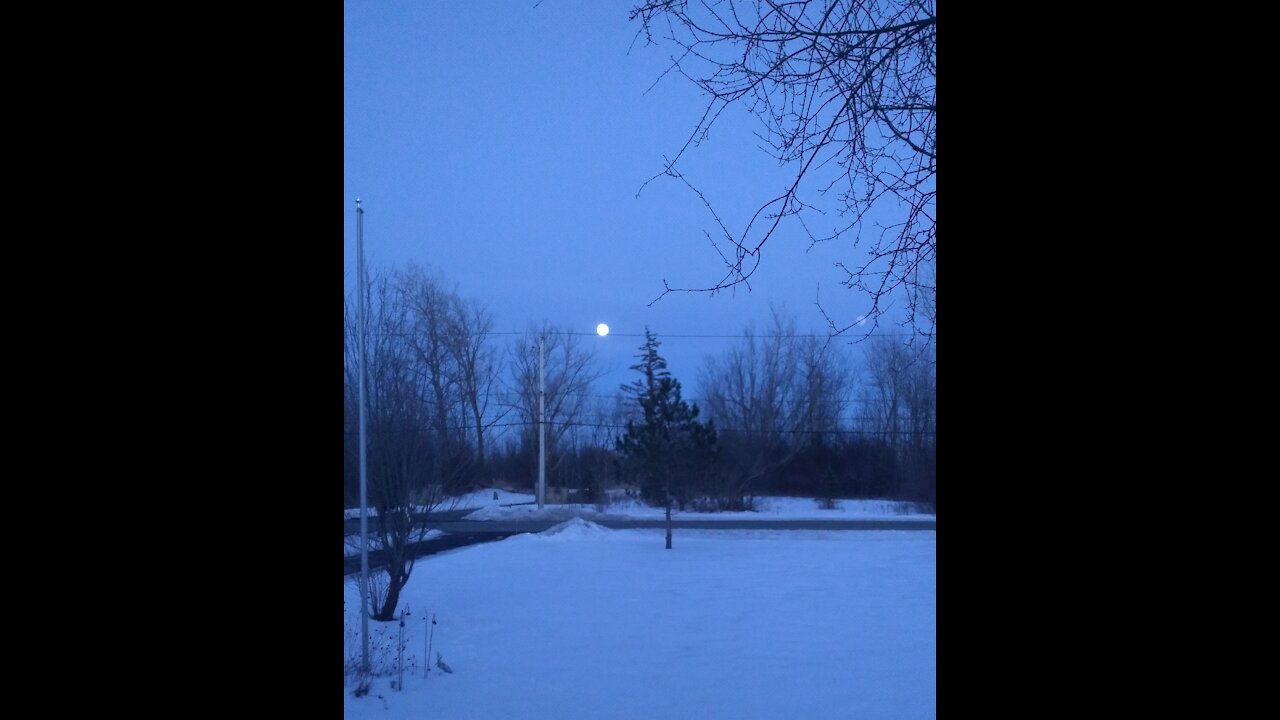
{"x": 670, "y": 452}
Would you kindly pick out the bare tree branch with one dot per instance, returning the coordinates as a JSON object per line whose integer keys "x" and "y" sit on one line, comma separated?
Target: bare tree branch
{"x": 845, "y": 93}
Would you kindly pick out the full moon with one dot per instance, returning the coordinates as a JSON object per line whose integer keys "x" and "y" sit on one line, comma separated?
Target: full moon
{"x": 602, "y": 329}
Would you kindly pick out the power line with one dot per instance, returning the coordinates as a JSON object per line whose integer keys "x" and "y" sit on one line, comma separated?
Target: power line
{"x": 778, "y": 432}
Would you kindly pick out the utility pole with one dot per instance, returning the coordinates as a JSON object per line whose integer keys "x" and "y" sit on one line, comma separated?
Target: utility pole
{"x": 542, "y": 421}
{"x": 364, "y": 479}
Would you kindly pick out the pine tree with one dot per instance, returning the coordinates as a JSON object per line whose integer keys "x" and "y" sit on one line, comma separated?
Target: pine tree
{"x": 670, "y": 452}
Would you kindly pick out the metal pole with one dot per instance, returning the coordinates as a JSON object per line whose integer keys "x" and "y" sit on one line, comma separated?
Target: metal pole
{"x": 542, "y": 421}
{"x": 364, "y": 482}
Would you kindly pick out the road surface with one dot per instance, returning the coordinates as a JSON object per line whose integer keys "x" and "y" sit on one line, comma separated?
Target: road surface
{"x": 460, "y": 533}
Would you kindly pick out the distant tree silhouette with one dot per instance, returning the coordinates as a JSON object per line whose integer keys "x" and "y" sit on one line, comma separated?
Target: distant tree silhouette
{"x": 570, "y": 370}
{"x": 780, "y": 390}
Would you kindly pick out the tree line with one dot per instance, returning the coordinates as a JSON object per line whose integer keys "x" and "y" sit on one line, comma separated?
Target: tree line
{"x": 452, "y": 405}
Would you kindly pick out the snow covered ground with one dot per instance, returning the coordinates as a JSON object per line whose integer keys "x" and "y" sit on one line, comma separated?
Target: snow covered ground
{"x": 768, "y": 508}
{"x": 582, "y": 621}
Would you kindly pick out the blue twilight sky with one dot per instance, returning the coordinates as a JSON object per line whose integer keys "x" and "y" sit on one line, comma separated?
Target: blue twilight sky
{"x": 502, "y": 145}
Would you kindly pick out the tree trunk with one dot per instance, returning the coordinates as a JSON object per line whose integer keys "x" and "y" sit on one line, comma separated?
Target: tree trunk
{"x": 475, "y": 410}
{"x": 388, "y": 610}
{"x": 668, "y": 523}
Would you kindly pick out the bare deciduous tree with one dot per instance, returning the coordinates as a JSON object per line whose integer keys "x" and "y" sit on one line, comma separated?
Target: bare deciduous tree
{"x": 431, "y": 307}
{"x": 776, "y": 389}
{"x": 429, "y": 369}
{"x": 899, "y": 404}
{"x": 400, "y": 451}
{"x": 900, "y": 392}
{"x": 845, "y": 94}
{"x": 475, "y": 364}
{"x": 570, "y": 369}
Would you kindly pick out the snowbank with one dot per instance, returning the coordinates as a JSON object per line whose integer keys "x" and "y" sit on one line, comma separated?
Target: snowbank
{"x": 575, "y": 529}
